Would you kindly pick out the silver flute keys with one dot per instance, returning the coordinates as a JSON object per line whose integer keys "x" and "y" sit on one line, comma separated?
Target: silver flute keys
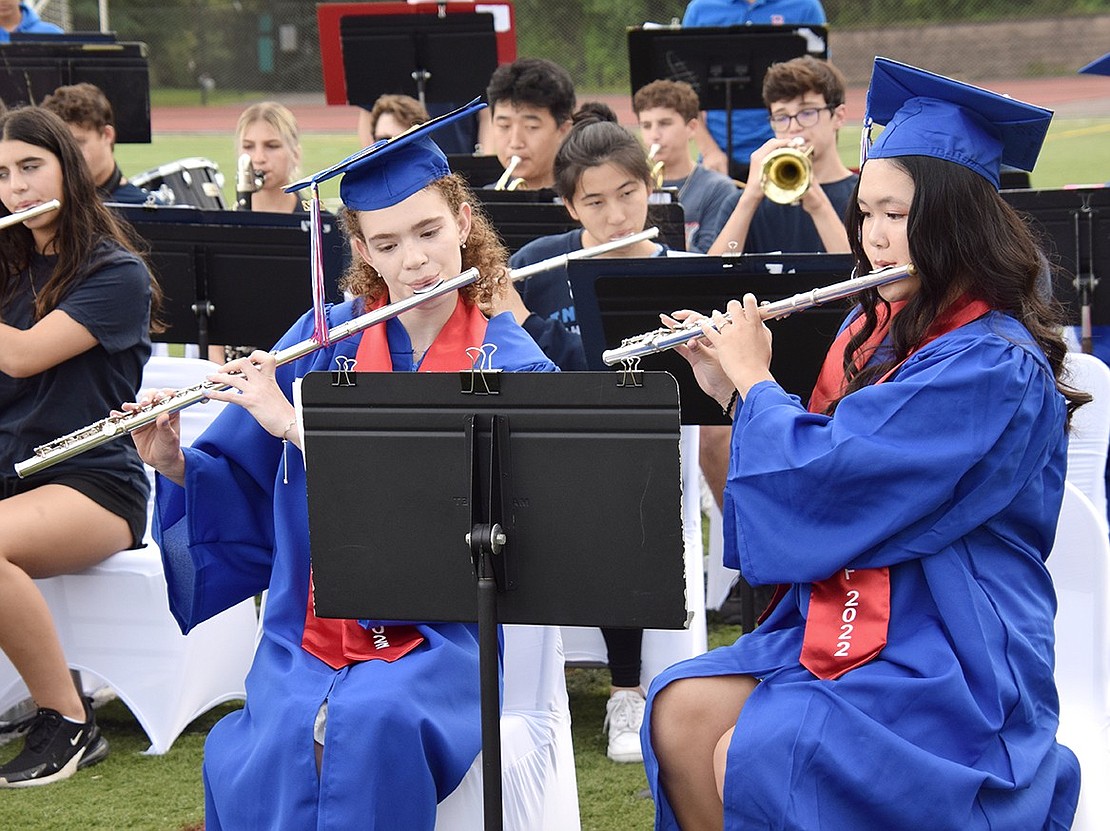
{"x": 660, "y": 340}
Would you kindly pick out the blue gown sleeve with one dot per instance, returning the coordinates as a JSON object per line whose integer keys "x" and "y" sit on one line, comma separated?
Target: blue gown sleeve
{"x": 217, "y": 534}
{"x": 901, "y": 471}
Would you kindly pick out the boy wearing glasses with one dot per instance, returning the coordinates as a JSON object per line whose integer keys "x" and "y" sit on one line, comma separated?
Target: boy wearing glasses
{"x": 805, "y": 104}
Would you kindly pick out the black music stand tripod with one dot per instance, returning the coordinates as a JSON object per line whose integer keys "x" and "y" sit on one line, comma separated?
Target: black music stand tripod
{"x": 530, "y": 498}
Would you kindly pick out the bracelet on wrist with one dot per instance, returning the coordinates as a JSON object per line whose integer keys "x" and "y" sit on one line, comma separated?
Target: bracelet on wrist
{"x": 731, "y": 405}
{"x": 285, "y": 433}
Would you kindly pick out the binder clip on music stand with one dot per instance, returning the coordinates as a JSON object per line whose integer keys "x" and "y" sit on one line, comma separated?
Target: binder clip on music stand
{"x": 496, "y": 536}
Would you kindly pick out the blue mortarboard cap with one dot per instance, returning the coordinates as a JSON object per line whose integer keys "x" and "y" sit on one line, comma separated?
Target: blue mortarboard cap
{"x": 390, "y": 171}
{"x": 929, "y": 115}
{"x": 1099, "y": 66}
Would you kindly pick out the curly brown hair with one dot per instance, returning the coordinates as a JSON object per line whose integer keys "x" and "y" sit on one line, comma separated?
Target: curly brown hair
{"x": 484, "y": 249}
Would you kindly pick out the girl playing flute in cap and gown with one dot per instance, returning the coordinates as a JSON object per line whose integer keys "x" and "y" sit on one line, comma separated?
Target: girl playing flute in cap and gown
{"x": 904, "y": 680}
{"x": 339, "y": 730}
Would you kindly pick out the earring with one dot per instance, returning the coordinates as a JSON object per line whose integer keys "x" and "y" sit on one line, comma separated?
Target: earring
{"x": 463, "y": 245}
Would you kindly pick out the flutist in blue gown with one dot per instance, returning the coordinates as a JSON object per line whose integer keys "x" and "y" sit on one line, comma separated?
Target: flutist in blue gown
{"x": 924, "y": 484}
{"x": 343, "y": 727}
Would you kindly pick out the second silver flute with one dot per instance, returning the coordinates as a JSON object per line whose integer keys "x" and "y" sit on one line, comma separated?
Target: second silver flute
{"x": 113, "y": 427}
{"x": 660, "y": 340}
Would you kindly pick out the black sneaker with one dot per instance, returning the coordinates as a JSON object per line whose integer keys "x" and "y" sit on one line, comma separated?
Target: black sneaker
{"x": 54, "y": 750}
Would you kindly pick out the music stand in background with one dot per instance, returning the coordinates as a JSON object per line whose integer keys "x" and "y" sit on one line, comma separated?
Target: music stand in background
{"x": 471, "y": 514}
{"x": 478, "y": 170}
{"x": 619, "y": 298}
{"x": 724, "y": 64}
{"x": 33, "y": 67}
{"x": 330, "y": 19}
{"x": 448, "y": 57}
{"x": 1074, "y": 225}
{"x": 234, "y": 277}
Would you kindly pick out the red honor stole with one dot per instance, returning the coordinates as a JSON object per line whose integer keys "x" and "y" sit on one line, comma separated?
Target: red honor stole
{"x": 339, "y": 642}
{"x": 849, "y": 613}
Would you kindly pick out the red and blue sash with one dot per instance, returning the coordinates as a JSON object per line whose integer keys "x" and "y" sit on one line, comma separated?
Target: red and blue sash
{"x": 849, "y": 612}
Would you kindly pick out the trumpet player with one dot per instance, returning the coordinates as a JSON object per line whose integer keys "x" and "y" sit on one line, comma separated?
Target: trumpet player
{"x": 668, "y": 115}
{"x": 805, "y": 106}
{"x": 531, "y": 101}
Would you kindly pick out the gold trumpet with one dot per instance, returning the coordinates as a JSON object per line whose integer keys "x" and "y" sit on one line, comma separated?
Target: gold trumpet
{"x": 786, "y": 173}
{"x": 656, "y": 167}
{"x": 506, "y": 182}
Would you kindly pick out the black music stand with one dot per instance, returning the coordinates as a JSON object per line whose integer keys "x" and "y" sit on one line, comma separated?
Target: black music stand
{"x": 724, "y": 64}
{"x": 32, "y": 67}
{"x": 444, "y": 57}
{"x": 1074, "y": 226}
{"x": 234, "y": 277}
{"x": 470, "y": 516}
{"x": 619, "y": 298}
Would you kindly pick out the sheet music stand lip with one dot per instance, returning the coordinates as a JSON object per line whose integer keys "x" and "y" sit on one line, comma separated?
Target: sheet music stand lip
{"x": 383, "y": 549}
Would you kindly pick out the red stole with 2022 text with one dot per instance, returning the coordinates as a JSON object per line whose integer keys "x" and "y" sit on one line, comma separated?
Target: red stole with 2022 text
{"x": 849, "y": 612}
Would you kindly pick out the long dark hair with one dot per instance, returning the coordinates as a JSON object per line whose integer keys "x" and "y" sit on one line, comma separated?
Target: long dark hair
{"x": 963, "y": 239}
{"x": 83, "y": 221}
{"x": 596, "y": 139}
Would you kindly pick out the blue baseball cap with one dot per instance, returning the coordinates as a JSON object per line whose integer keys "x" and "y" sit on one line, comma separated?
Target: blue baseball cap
{"x": 930, "y": 115}
{"x": 1099, "y": 66}
{"x": 390, "y": 171}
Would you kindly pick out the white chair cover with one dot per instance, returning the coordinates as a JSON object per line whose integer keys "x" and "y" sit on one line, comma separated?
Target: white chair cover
{"x": 539, "y": 791}
{"x": 1090, "y": 428}
{"x": 1080, "y": 569}
{"x": 661, "y": 648}
{"x": 115, "y": 626}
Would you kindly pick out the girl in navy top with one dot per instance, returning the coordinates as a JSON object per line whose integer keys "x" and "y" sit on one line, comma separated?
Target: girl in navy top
{"x": 75, "y": 318}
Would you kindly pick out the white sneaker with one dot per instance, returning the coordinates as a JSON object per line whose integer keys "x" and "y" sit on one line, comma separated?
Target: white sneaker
{"x": 624, "y": 713}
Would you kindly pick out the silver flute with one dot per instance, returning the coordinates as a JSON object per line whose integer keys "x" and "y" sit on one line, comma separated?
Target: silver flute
{"x": 524, "y": 272}
{"x": 660, "y": 340}
{"x": 114, "y": 426}
{"x": 30, "y": 213}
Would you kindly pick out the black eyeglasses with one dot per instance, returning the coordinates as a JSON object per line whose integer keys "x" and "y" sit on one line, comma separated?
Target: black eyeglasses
{"x": 806, "y": 118}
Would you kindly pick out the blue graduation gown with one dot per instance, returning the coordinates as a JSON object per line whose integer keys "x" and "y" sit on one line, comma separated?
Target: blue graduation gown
{"x": 951, "y": 473}
{"x": 400, "y": 735}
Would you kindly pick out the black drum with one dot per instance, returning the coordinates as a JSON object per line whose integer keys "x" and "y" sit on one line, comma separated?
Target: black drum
{"x": 194, "y": 181}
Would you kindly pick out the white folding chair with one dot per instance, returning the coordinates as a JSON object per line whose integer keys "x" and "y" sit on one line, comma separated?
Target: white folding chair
{"x": 1090, "y": 428}
{"x": 538, "y": 787}
{"x": 661, "y": 648}
{"x": 1080, "y": 569}
{"x": 115, "y": 625}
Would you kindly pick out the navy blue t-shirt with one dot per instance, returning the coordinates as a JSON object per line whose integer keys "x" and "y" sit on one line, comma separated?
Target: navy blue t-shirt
{"x": 553, "y": 324}
{"x": 113, "y": 303}
{"x": 789, "y": 228}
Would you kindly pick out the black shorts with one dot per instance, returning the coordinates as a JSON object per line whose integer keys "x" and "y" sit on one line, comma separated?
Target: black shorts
{"x": 106, "y": 490}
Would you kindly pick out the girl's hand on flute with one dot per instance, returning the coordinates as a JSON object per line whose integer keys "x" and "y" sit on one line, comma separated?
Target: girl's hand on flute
{"x": 702, "y": 356}
{"x": 254, "y": 388}
{"x": 742, "y": 343}
{"x": 159, "y": 442}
